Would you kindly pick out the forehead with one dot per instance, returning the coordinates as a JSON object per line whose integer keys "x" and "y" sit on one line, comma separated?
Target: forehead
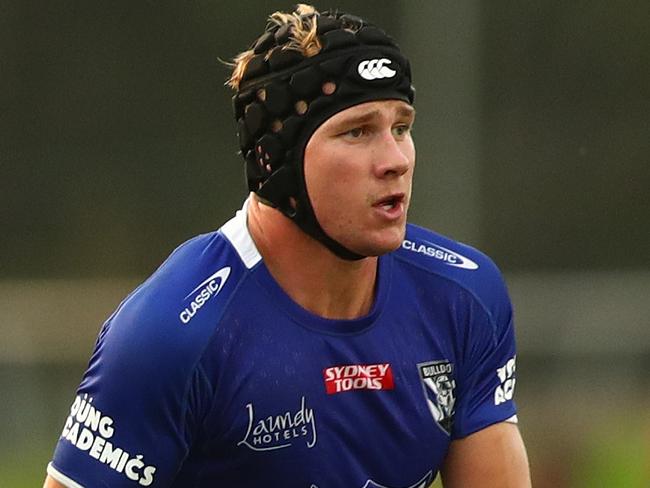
{"x": 376, "y": 109}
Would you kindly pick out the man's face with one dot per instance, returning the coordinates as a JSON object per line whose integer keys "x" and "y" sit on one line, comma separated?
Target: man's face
{"x": 358, "y": 171}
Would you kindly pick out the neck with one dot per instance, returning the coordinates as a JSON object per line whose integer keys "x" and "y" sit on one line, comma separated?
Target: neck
{"x": 309, "y": 273}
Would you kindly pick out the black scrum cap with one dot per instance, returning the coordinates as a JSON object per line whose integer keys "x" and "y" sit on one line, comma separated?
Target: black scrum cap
{"x": 283, "y": 98}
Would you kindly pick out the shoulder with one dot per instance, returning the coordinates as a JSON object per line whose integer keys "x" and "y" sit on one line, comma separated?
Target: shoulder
{"x": 458, "y": 264}
{"x": 171, "y": 316}
{"x": 200, "y": 272}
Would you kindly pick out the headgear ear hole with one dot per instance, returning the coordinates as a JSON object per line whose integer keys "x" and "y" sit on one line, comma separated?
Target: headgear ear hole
{"x": 301, "y": 107}
{"x": 328, "y": 87}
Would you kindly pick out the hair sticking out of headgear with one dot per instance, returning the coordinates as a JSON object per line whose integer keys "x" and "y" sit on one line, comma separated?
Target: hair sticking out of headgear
{"x": 300, "y": 35}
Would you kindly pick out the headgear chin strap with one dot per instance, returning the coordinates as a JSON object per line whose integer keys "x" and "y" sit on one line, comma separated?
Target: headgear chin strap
{"x": 284, "y": 97}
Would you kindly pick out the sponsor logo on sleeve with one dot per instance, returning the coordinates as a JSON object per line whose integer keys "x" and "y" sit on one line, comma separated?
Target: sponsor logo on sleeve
{"x": 506, "y": 389}
{"x": 89, "y": 430}
{"x": 272, "y": 432}
{"x": 436, "y": 251}
{"x": 358, "y": 377}
{"x": 440, "y": 391}
{"x": 206, "y": 290}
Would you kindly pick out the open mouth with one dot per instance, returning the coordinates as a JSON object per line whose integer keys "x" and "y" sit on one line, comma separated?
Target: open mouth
{"x": 390, "y": 202}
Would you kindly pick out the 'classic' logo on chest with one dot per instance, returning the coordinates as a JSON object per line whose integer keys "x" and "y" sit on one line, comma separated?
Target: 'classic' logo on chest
{"x": 358, "y": 377}
{"x": 280, "y": 431}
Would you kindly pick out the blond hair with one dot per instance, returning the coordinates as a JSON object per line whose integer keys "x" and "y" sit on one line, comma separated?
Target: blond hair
{"x": 303, "y": 24}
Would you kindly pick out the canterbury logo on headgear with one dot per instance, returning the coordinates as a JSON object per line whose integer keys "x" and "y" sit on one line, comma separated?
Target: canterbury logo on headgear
{"x": 375, "y": 69}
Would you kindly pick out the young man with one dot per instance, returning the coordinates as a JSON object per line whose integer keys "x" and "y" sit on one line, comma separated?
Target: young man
{"x": 316, "y": 340}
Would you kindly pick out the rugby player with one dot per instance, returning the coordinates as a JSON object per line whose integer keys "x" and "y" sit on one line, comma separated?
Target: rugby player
{"x": 316, "y": 340}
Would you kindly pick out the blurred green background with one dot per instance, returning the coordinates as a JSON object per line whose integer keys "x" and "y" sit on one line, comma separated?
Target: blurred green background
{"x": 533, "y": 137}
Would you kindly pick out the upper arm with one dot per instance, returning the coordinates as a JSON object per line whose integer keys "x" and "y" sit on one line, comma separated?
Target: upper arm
{"x": 136, "y": 411}
{"x": 52, "y": 483}
{"x": 487, "y": 449}
{"x": 492, "y": 457}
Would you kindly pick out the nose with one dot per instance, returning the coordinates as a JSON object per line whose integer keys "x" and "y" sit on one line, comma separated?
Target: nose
{"x": 394, "y": 157}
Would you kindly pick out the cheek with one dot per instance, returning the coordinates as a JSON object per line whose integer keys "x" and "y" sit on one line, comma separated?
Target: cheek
{"x": 330, "y": 172}
{"x": 314, "y": 164}
{"x": 333, "y": 188}
{"x": 317, "y": 180}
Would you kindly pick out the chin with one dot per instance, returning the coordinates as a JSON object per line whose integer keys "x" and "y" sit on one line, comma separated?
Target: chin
{"x": 383, "y": 244}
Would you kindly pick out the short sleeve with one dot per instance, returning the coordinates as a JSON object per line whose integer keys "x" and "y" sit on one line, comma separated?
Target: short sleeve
{"x": 131, "y": 422}
{"x": 487, "y": 377}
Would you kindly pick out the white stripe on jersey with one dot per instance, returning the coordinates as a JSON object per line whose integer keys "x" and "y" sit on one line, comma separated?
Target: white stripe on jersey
{"x": 236, "y": 231}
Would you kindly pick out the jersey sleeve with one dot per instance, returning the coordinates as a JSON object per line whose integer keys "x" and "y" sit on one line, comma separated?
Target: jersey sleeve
{"x": 136, "y": 410}
{"x": 487, "y": 376}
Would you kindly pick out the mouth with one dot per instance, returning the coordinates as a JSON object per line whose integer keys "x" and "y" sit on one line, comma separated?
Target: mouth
{"x": 392, "y": 206}
{"x": 390, "y": 202}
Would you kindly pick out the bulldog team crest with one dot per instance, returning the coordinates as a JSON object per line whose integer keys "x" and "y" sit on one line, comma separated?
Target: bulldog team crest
{"x": 440, "y": 391}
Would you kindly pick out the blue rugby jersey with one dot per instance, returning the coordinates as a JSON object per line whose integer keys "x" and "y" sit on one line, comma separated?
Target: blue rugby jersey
{"x": 209, "y": 375}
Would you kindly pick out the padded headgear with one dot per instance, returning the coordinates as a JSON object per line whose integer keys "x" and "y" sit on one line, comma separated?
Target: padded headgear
{"x": 282, "y": 100}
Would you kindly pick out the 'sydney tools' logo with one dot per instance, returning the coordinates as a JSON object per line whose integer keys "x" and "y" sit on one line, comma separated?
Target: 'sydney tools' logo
{"x": 280, "y": 431}
{"x": 440, "y": 391}
{"x": 358, "y": 377}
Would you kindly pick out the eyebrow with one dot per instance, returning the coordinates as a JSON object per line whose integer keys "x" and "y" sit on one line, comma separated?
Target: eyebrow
{"x": 406, "y": 111}
{"x": 402, "y": 111}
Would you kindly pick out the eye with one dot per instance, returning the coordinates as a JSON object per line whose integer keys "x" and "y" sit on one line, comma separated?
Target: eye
{"x": 355, "y": 133}
{"x": 401, "y": 130}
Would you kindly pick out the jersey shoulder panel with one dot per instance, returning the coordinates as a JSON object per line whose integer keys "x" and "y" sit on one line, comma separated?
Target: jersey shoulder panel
{"x": 175, "y": 311}
{"x": 464, "y": 265}
{"x": 179, "y": 307}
